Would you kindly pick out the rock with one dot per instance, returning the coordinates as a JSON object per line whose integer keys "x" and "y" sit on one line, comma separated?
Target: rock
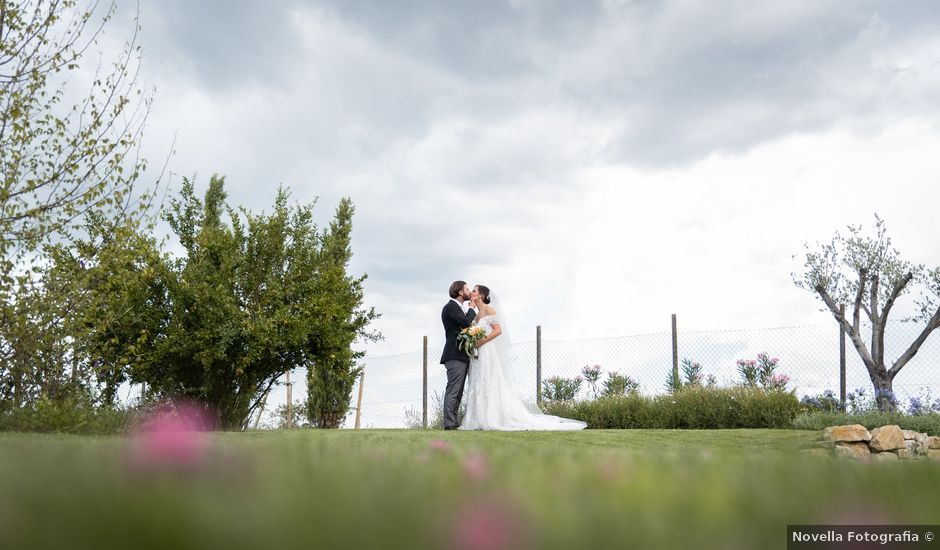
{"x": 825, "y": 445}
{"x": 907, "y": 453}
{"x": 849, "y": 433}
{"x": 887, "y": 438}
{"x": 852, "y": 450}
{"x": 914, "y": 447}
{"x": 933, "y": 454}
{"x": 915, "y": 436}
{"x": 827, "y": 433}
{"x": 933, "y": 442}
{"x": 884, "y": 457}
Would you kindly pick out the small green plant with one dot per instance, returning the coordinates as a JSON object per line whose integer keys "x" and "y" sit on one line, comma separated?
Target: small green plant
{"x": 558, "y": 388}
{"x": 414, "y": 418}
{"x": 824, "y": 402}
{"x": 692, "y": 370}
{"x": 298, "y": 416}
{"x": 619, "y": 384}
{"x": 592, "y": 375}
{"x": 693, "y": 373}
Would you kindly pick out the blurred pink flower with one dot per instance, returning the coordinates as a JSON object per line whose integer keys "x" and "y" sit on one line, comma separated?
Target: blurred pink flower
{"x": 172, "y": 437}
{"x": 859, "y": 514}
{"x": 476, "y": 466}
{"x": 440, "y": 445}
{"x": 489, "y": 523}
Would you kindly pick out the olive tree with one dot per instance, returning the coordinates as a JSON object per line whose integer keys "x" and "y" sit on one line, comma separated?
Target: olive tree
{"x": 863, "y": 274}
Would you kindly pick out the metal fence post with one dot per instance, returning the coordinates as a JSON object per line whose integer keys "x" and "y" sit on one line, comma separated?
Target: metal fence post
{"x": 424, "y": 391}
{"x": 842, "y": 361}
{"x": 675, "y": 350}
{"x": 538, "y": 364}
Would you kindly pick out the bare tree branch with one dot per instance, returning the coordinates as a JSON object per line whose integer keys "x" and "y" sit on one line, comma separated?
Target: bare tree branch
{"x": 912, "y": 350}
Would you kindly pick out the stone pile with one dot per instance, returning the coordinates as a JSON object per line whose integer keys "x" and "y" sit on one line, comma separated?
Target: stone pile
{"x": 886, "y": 443}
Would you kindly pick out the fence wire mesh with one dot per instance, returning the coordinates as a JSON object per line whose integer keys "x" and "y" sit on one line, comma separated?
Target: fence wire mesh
{"x": 392, "y": 394}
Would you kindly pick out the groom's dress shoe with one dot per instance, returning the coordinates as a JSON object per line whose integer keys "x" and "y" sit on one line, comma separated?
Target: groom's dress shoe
{"x": 450, "y": 427}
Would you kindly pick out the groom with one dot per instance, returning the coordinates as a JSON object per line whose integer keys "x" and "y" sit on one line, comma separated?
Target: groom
{"x": 458, "y": 314}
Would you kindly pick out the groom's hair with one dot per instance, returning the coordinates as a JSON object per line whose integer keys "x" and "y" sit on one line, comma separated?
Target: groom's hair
{"x": 456, "y": 287}
{"x": 485, "y": 291}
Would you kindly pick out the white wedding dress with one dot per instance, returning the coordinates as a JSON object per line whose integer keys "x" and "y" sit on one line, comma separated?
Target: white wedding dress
{"x": 492, "y": 403}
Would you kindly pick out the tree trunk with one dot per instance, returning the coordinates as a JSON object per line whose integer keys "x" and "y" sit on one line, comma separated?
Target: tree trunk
{"x": 884, "y": 393}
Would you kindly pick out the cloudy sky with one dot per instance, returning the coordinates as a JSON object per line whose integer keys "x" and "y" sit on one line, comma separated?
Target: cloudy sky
{"x": 599, "y": 164}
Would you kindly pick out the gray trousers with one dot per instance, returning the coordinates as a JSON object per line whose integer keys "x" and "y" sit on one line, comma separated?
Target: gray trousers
{"x": 456, "y": 376}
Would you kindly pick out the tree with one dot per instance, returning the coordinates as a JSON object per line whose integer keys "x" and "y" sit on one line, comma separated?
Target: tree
{"x": 67, "y": 153}
{"x": 114, "y": 298}
{"x": 59, "y": 160}
{"x": 246, "y": 301}
{"x": 333, "y": 371}
{"x": 866, "y": 274}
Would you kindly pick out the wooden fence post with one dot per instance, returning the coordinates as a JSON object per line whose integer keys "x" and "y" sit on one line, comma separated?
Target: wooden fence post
{"x": 675, "y": 350}
{"x": 290, "y": 403}
{"x": 362, "y": 378}
{"x": 842, "y": 361}
{"x": 538, "y": 364}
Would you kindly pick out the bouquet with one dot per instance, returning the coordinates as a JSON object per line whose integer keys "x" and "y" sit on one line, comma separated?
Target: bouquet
{"x": 468, "y": 338}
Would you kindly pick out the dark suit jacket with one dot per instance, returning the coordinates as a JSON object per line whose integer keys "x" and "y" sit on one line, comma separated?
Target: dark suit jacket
{"x": 454, "y": 320}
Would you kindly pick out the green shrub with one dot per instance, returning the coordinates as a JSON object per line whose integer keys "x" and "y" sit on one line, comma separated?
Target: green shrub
{"x": 558, "y": 388}
{"x": 692, "y": 407}
{"x": 929, "y": 423}
{"x": 73, "y": 414}
{"x": 619, "y": 384}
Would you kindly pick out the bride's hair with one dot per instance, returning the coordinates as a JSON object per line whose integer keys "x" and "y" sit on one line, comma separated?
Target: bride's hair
{"x": 485, "y": 292}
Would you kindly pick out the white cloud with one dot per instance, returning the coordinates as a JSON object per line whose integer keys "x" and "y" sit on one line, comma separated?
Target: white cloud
{"x": 602, "y": 167}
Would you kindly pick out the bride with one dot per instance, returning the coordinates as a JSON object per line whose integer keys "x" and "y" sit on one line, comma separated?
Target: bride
{"x": 492, "y": 402}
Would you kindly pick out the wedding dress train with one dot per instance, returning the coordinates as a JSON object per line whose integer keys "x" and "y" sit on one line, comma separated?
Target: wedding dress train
{"x": 492, "y": 403}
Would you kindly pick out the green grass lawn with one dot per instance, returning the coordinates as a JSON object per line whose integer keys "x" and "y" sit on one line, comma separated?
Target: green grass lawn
{"x": 416, "y": 489}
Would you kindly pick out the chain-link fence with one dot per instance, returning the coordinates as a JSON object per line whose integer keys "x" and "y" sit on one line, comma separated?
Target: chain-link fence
{"x": 392, "y": 395}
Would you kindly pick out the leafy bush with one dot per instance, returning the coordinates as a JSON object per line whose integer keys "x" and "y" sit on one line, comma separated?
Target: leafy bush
{"x": 923, "y": 404}
{"x": 860, "y": 402}
{"x": 929, "y": 423}
{"x": 72, "y": 414}
{"x": 702, "y": 407}
{"x": 558, "y": 388}
{"x": 619, "y": 384}
{"x": 825, "y": 402}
